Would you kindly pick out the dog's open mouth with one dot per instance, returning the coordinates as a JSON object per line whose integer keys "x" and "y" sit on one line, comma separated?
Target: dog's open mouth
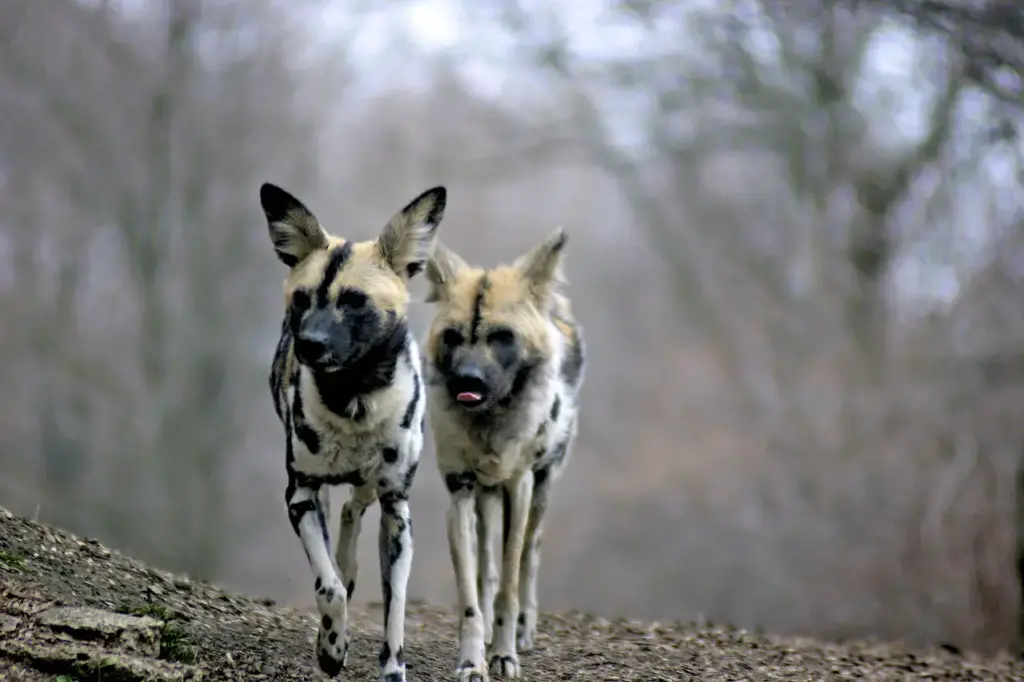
{"x": 470, "y": 393}
{"x": 470, "y": 398}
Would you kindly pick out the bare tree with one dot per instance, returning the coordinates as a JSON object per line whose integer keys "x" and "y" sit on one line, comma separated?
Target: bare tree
{"x": 157, "y": 126}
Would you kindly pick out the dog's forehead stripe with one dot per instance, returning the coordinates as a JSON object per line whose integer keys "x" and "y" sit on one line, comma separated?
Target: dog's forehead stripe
{"x": 339, "y": 255}
{"x": 481, "y": 292}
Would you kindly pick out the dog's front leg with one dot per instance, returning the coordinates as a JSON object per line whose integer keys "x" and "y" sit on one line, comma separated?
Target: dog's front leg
{"x": 306, "y": 514}
{"x": 504, "y": 660}
{"x": 461, "y": 538}
{"x": 395, "y": 545}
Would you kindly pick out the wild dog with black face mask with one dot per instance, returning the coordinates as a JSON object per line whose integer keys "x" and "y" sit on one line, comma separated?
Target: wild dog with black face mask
{"x": 347, "y": 386}
{"x": 505, "y": 364}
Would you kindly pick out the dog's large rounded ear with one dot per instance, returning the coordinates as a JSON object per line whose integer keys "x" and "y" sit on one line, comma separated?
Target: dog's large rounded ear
{"x": 294, "y": 230}
{"x": 408, "y": 240}
{"x": 443, "y": 268}
{"x": 541, "y": 266}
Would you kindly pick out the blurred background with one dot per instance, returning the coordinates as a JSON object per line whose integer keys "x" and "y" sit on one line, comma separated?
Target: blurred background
{"x": 797, "y": 248}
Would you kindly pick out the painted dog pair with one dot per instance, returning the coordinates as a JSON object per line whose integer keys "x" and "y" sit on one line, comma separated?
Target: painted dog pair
{"x": 500, "y": 380}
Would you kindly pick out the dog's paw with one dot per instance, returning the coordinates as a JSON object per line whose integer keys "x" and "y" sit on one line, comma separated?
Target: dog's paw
{"x": 506, "y": 666}
{"x": 468, "y": 671}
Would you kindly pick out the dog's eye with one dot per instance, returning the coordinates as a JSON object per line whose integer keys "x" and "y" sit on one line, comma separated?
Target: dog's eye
{"x": 452, "y": 338}
{"x": 501, "y": 337}
{"x": 353, "y": 300}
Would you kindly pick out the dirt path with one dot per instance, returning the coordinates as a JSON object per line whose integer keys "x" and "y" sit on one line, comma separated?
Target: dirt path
{"x": 143, "y": 624}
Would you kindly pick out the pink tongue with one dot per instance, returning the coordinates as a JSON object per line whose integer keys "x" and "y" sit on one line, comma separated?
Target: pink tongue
{"x": 468, "y": 397}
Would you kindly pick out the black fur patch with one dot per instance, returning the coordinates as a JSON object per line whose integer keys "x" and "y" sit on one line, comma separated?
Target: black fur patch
{"x": 390, "y": 548}
{"x": 276, "y": 203}
{"x": 300, "y": 305}
{"x": 277, "y": 365}
{"x": 433, "y": 219}
{"x": 328, "y": 665}
{"x": 352, "y": 299}
{"x": 503, "y": 345}
{"x": 540, "y": 476}
{"x": 410, "y": 410}
{"x": 390, "y": 499}
{"x": 339, "y": 255}
{"x": 481, "y": 293}
{"x": 390, "y": 455}
{"x": 470, "y": 613}
{"x": 385, "y": 653}
{"x": 374, "y": 370}
{"x": 519, "y": 383}
{"x": 296, "y": 510}
{"x": 410, "y": 476}
{"x": 326, "y": 623}
{"x": 556, "y": 407}
{"x": 303, "y": 431}
{"x": 457, "y": 481}
{"x": 353, "y": 478}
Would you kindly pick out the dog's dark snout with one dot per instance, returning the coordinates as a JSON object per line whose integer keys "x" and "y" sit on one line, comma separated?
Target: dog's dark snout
{"x": 312, "y": 343}
{"x": 469, "y": 374}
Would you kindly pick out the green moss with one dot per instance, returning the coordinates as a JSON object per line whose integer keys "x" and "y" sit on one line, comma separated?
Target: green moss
{"x": 12, "y": 562}
{"x": 158, "y": 611}
{"x": 175, "y": 643}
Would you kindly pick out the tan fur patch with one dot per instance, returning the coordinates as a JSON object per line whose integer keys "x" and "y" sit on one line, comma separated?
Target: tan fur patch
{"x": 505, "y": 303}
{"x": 365, "y": 271}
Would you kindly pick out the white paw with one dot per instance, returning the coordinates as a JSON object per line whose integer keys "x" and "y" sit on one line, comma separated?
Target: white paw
{"x": 505, "y": 665}
{"x": 332, "y": 635}
{"x": 467, "y": 671}
{"x": 526, "y": 630}
{"x": 331, "y": 657}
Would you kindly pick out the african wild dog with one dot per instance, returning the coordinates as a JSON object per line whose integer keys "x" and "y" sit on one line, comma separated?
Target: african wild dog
{"x": 505, "y": 362}
{"x": 347, "y": 387}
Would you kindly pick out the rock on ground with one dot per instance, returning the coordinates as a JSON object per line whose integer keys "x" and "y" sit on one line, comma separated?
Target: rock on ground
{"x": 71, "y": 609}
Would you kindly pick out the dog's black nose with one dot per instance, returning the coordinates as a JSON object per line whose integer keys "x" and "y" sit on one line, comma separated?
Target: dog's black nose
{"x": 312, "y": 344}
{"x": 469, "y": 374}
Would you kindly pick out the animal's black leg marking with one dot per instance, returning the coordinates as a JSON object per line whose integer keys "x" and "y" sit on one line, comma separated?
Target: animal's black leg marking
{"x": 305, "y": 512}
{"x": 395, "y": 547}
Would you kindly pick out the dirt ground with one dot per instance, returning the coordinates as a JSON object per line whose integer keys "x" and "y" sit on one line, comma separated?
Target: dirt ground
{"x": 72, "y": 610}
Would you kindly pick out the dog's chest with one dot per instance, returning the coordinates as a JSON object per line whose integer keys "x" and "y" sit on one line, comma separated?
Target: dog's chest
{"x": 345, "y": 456}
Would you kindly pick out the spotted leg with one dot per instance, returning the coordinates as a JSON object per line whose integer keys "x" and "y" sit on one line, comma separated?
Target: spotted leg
{"x": 526, "y": 626}
{"x": 504, "y": 660}
{"x": 488, "y": 538}
{"x": 461, "y": 535}
{"x": 395, "y": 544}
{"x": 348, "y": 534}
{"x": 306, "y": 513}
